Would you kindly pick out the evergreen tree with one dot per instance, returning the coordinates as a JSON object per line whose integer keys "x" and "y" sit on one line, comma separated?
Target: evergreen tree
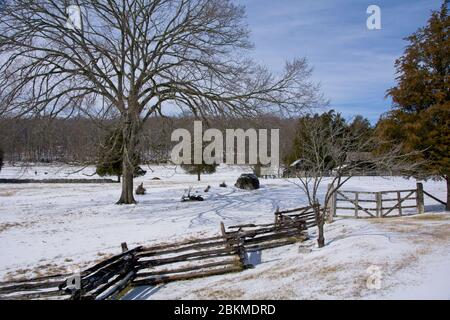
{"x": 199, "y": 169}
{"x": 360, "y": 128}
{"x": 420, "y": 118}
{"x": 327, "y": 122}
{"x": 202, "y": 168}
{"x": 110, "y": 157}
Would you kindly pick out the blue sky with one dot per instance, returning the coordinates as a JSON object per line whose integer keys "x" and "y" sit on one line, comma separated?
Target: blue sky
{"x": 354, "y": 65}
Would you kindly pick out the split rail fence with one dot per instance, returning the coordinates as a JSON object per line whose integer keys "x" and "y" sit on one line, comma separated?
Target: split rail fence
{"x": 154, "y": 265}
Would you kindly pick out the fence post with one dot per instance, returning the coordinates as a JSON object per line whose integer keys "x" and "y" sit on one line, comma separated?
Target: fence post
{"x": 124, "y": 247}
{"x": 419, "y": 198}
{"x": 277, "y": 217}
{"x": 356, "y": 204}
{"x": 379, "y": 205}
{"x": 222, "y": 230}
{"x": 331, "y": 205}
{"x": 399, "y": 199}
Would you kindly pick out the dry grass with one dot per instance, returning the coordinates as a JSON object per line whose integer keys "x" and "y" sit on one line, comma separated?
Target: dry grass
{"x": 417, "y": 230}
{"x": 7, "y": 225}
{"x": 432, "y": 217}
{"x": 409, "y": 259}
{"x": 8, "y": 193}
{"x": 225, "y": 294}
{"x": 285, "y": 293}
{"x": 40, "y": 271}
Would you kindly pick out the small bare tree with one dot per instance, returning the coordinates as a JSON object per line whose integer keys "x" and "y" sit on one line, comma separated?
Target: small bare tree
{"x": 132, "y": 59}
{"x": 326, "y": 145}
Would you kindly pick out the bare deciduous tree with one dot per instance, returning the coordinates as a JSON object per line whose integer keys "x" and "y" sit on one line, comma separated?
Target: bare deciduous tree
{"x": 133, "y": 58}
{"x": 325, "y": 156}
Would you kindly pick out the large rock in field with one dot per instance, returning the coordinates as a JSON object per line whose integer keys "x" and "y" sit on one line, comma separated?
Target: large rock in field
{"x": 247, "y": 181}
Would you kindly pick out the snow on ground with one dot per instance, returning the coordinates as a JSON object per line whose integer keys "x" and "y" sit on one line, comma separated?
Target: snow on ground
{"x": 49, "y": 228}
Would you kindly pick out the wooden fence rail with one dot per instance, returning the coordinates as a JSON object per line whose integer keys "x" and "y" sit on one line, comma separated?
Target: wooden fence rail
{"x": 305, "y": 214}
{"x": 181, "y": 260}
{"x": 202, "y": 257}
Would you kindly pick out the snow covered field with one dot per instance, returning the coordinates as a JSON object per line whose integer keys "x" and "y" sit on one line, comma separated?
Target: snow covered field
{"x": 49, "y": 228}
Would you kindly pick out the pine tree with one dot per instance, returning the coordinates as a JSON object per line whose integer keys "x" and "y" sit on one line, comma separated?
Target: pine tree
{"x": 199, "y": 169}
{"x": 328, "y": 122}
{"x": 111, "y": 156}
{"x": 361, "y": 128}
{"x": 420, "y": 118}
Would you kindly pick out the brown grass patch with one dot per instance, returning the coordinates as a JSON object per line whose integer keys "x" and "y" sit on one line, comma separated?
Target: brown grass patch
{"x": 40, "y": 271}
{"x": 417, "y": 231}
{"x": 409, "y": 259}
{"x": 223, "y": 294}
{"x": 432, "y": 217}
{"x": 8, "y": 193}
{"x": 8, "y": 225}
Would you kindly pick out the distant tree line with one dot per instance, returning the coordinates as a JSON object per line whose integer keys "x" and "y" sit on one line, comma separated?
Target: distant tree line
{"x": 42, "y": 140}
{"x": 86, "y": 141}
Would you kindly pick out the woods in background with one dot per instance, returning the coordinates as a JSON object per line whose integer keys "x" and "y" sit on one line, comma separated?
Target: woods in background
{"x": 331, "y": 123}
{"x": 42, "y": 140}
{"x": 83, "y": 141}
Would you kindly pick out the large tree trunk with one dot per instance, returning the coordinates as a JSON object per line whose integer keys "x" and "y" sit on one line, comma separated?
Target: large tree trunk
{"x": 448, "y": 193}
{"x": 129, "y": 146}
{"x": 127, "y": 186}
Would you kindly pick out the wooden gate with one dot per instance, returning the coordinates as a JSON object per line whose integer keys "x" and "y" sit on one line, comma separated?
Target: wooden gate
{"x": 381, "y": 204}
